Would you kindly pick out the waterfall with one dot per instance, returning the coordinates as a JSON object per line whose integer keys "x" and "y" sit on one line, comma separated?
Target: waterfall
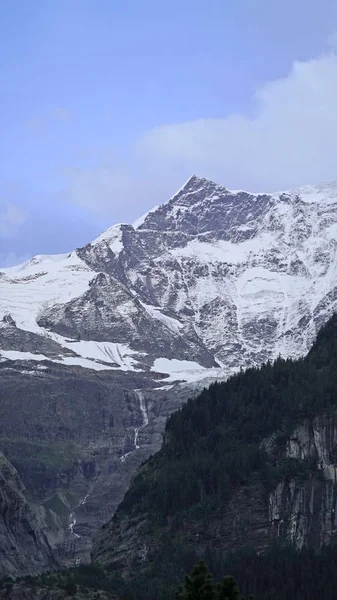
{"x": 72, "y": 523}
{"x": 73, "y": 520}
{"x": 145, "y": 418}
{"x": 85, "y": 499}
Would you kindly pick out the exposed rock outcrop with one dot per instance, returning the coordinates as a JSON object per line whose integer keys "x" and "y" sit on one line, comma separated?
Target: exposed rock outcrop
{"x": 76, "y": 437}
{"x": 305, "y": 512}
{"x": 208, "y": 283}
{"x": 300, "y": 510}
{"x": 216, "y": 278}
{"x": 24, "y": 548}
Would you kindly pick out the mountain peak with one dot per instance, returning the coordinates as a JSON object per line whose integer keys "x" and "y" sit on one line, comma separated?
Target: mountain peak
{"x": 195, "y": 179}
{"x": 193, "y": 182}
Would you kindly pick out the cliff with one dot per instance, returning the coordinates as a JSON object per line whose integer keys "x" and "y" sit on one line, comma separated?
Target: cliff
{"x": 210, "y": 282}
{"x": 304, "y": 512}
{"x": 247, "y": 462}
{"x": 76, "y": 437}
{"x": 24, "y": 548}
{"x": 299, "y": 509}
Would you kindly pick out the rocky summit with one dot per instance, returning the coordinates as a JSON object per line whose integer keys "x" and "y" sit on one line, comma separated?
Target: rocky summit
{"x": 212, "y": 279}
{"x": 99, "y": 346}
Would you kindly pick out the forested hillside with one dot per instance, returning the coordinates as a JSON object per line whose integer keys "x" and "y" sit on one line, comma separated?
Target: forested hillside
{"x": 213, "y": 443}
{"x": 220, "y": 448}
{"x": 266, "y": 436}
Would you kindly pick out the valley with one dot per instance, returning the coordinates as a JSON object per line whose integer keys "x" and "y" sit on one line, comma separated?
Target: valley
{"x": 100, "y": 346}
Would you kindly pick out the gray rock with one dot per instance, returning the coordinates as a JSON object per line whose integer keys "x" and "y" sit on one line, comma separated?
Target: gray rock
{"x": 24, "y": 548}
{"x": 302, "y": 511}
{"x": 223, "y": 279}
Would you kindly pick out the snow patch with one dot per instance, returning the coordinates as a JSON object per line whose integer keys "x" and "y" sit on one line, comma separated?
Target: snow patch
{"x": 181, "y": 370}
{"x": 155, "y": 312}
{"x": 118, "y": 355}
{"x": 16, "y": 355}
{"x": 64, "y": 278}
{"x": 113, "y": 237}
{"x": 224, "y": 252}
{"x": 68, "y": 360}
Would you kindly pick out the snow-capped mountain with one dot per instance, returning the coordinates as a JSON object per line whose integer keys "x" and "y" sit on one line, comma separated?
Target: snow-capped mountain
{"x": 92, "y": 342}
{"x": 211, "y": 281}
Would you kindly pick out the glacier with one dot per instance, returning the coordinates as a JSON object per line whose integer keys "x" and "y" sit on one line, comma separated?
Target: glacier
{"x": 218, "y": 279}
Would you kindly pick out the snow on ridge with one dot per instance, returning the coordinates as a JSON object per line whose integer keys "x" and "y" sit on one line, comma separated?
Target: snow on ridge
{"x": 138, "y": 222}
{"x": 34, "y": 262}
{"x": 194, "y": 178}
{"x": 191, "y": 178}
{"x": 312, "y": 194}
{"x": 280, "y": 272}
{"x": 45, "y": 262}
{"x": 155, "y": 312}
{"x": 326, "y": 191}
{"x": 113, "y": 236}
{"x": 28, "y": 292}
{"x": 199, "y": 180}
{"x": 222, "y": 251}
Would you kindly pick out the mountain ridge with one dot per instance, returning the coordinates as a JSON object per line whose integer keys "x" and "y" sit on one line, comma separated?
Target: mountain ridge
{"x": 210, "y": 282}
{"x": 207, "y": 259}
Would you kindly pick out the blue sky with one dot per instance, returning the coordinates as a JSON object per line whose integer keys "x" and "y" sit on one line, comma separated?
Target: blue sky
{"x": 108, "y": 106}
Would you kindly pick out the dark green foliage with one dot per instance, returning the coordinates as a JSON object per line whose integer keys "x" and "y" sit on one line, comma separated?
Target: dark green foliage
{"x": 200, "y": 586}
{"x": 228, "y": 589}
{"x": 213, "y": 443}
{"x": 84, "y": 580}
{"x": 70, "y": 588}
{"x": 283, "y": 573}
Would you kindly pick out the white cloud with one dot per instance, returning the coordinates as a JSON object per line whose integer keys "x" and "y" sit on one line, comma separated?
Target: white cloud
{"x": 11, "y": 219}
{"x": 290, "y": 140}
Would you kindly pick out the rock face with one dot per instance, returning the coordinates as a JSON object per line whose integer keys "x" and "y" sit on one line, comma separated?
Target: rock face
{"x": 206, "y": 284}
{"x": 299, "y": 510}
{"x": 216, "y": 278}
{"x": 306, "y": 513}
{"x": 76, "y": 436}
{"x": 24, "y": 548}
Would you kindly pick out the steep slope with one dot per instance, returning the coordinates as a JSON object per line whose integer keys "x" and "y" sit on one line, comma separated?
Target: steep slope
{"x": 76, "y": 436}
{"x": 246, "y": 462}
{"x": 94, "y": 343}
{"x": 216, "y": 278}
{"x": 23, "y": 545}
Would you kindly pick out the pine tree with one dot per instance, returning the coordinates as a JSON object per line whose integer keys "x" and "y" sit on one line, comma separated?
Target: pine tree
{"x": 228, "y": 589}
{"x": 199, "y": 585}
